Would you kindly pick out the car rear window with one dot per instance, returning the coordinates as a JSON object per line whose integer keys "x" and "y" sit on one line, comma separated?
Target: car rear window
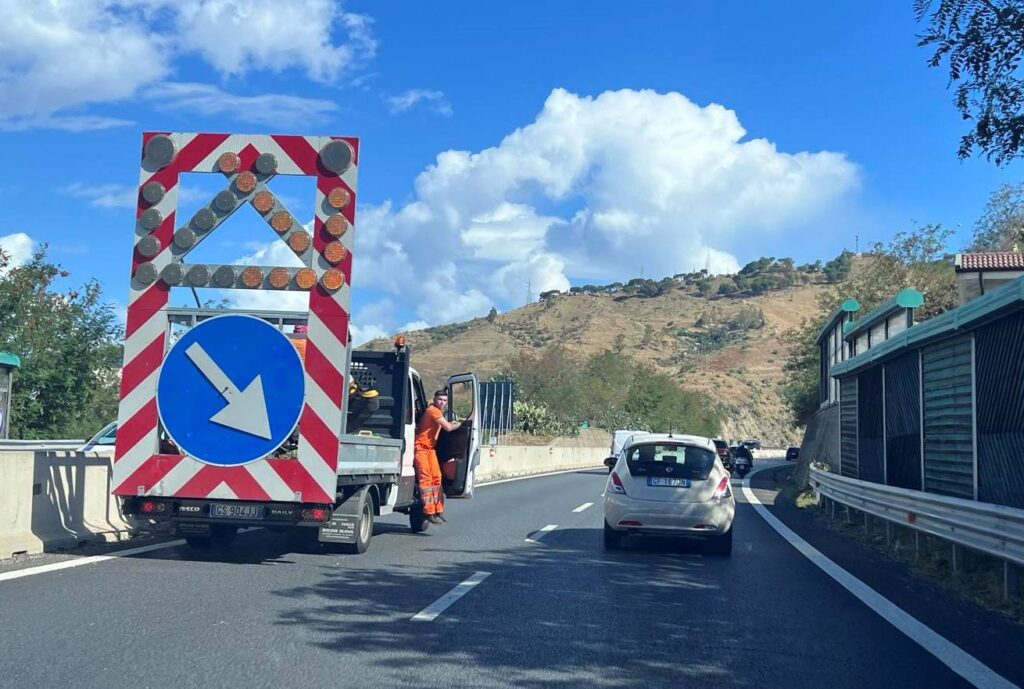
{"x": 664, "y": 459}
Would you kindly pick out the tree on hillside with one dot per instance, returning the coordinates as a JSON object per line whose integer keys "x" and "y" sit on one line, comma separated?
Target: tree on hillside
{"x": 544, "y": 296}
{"x": 492, "y": 315}
{"x": 916, "y": 258}
{"x": 839, "y": 267}
{"x": 67, "y": 386}
{"x": 982, "y": 41}
{"x": 1001, "y": 224}
{"x": 704, "y": 287}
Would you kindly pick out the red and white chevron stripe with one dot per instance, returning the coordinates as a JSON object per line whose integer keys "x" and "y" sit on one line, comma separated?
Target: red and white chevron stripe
{"x": 139, "y": 468}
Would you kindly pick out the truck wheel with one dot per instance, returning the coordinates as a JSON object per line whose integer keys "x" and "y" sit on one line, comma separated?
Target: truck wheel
{"x": 417, "y": 520}
{"x": 612, "y": 538}
{"x": 364, "y": 529}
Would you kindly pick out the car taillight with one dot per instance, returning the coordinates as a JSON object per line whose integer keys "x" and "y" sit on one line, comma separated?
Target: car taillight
{"x": 723, "y": 490}
{"x": 617, "y": 486}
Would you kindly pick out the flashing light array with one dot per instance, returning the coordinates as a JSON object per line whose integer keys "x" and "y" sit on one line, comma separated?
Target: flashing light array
{"x": 244, "y": 186}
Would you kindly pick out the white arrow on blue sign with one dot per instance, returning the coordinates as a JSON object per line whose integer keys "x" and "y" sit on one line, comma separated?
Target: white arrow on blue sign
{"x": 231, "y": 390}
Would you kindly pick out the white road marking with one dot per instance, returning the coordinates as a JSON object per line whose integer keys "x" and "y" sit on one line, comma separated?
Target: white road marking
{"x": 79, "y": 562}
{"x": 93, "y": 559}
{"x": 945, "y": 651}
{"x": 430, "y": 613}
{"x": 583, "y": 506}
{"x": 547, "y": 473}
{"x": 537, "y": 535}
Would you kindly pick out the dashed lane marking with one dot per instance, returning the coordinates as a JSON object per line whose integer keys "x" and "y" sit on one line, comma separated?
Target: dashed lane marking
{"x": 537, "y": 535}
{"x": 430, "y": 613}
{"x": 583, "y": 506}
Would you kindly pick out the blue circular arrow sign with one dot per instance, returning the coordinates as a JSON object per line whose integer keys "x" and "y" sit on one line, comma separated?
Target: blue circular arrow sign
{"x": 230, "y": 390}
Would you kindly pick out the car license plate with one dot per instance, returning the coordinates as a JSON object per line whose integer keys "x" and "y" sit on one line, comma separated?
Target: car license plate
{"x": 237, "y": 511}
{"x": 668, "y": 482}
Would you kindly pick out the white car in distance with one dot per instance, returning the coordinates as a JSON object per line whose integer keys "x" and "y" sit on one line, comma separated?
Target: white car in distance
{"x": 672, "y": 486}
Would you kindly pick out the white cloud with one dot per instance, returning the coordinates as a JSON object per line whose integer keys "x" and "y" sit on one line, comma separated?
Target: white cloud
{"x": 592, "y": 189}
{"x": 269, "y": 108}
{"x": 362, "y": 335}
{"x": 507, "y": 232}
{"x": 104, "y": 195}
{"x": 17, "y": 248}
{"x": 238, "y": 36}
{"x": 61, "y": 56}
{"x": 435, "y": 101}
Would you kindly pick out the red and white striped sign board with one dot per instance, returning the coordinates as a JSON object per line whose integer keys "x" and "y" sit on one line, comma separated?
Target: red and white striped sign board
{"x": 249, "y": 163}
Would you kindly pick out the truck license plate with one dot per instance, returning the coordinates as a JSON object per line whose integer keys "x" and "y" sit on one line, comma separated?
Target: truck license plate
{"x": 236, "y": 511}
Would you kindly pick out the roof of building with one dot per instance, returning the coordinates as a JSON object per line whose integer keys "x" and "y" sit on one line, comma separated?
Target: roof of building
{"x": 973, "y": 314}
{"x": 990, "y": 260}
{"x": 10, "y": 360}
{"x": 904, "y": 299}
{"x": 849, "y": 306}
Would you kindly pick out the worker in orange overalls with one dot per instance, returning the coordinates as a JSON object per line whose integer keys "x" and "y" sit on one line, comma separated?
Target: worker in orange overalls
{"x": 298, "y": 340}
{"x": 428, "y": 469}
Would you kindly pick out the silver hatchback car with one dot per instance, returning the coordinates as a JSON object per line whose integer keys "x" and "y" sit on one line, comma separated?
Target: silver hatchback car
{"x": 671, "y": 486}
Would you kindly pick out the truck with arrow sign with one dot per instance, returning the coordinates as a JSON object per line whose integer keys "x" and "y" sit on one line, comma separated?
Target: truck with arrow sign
{"x": 223, "y": 421}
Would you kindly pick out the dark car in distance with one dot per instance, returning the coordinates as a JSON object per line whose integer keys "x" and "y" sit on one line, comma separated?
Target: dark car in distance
{"x": 793, "y": 453}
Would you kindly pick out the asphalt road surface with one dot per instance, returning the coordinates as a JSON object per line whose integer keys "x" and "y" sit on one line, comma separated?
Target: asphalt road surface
{"x": 542, "y": 608}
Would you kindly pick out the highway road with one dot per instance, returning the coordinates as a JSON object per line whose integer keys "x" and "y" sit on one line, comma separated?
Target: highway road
{"x": 544, "y": 606}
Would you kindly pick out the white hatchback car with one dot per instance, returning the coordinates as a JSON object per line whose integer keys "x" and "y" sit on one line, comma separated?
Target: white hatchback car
{"x": 671, "y": 486}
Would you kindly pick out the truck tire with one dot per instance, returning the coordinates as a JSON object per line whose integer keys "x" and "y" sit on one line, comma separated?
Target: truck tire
{"x": 364, "y": 528}
{"x": 417, "y": 520}
{"x": 612, "y": 538}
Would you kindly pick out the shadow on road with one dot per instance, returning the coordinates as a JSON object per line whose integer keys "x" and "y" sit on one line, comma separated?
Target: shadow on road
{"x": 561, "y": 612}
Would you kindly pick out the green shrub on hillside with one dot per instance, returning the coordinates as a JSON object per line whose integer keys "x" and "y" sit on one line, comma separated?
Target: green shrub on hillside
{"x": 608, "y": 390}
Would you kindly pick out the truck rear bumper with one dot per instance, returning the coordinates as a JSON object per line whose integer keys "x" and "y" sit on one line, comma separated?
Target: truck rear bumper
{"x": 201, "y": 513}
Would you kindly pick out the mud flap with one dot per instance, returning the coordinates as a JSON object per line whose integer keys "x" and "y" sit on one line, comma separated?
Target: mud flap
{"x": 344, "y": 522}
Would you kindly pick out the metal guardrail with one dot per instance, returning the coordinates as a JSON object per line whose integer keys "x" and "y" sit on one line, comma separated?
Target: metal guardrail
{"x": 41, "y": 444}
{"x": 992, "y": 529}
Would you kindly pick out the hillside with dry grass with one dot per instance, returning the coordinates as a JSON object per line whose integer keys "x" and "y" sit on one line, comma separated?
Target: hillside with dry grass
{"x": 727, "y": 346}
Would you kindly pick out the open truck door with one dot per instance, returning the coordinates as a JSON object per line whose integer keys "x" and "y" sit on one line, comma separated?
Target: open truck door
{"x": 459, "y": 451}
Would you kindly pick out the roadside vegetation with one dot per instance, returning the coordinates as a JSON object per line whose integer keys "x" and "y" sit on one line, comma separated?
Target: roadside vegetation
{"x": 70, "y": 351}
{"x": 558, "y": 391}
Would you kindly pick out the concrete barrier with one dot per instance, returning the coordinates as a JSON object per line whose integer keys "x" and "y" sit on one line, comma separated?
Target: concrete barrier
{"x": 517, "y": 460}
{"x": 51, "y": 500}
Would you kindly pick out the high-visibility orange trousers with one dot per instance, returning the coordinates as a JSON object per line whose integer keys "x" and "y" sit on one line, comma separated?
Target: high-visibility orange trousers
{"x": 428, "y": 476}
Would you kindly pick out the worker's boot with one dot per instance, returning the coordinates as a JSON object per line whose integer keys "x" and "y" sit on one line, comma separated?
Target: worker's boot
{"x": 433, "y": 519}
{"x": 440, "y": 516}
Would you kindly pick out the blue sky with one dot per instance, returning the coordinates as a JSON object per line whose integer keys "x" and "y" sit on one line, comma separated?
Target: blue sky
{"x": 503, "y": 144}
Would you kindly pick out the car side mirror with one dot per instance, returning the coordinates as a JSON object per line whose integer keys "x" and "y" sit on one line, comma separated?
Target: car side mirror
{"x": 610, "y": 461}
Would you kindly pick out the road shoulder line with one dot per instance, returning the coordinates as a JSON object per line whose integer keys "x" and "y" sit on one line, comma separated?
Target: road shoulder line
{"x": 945, "y": 651}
